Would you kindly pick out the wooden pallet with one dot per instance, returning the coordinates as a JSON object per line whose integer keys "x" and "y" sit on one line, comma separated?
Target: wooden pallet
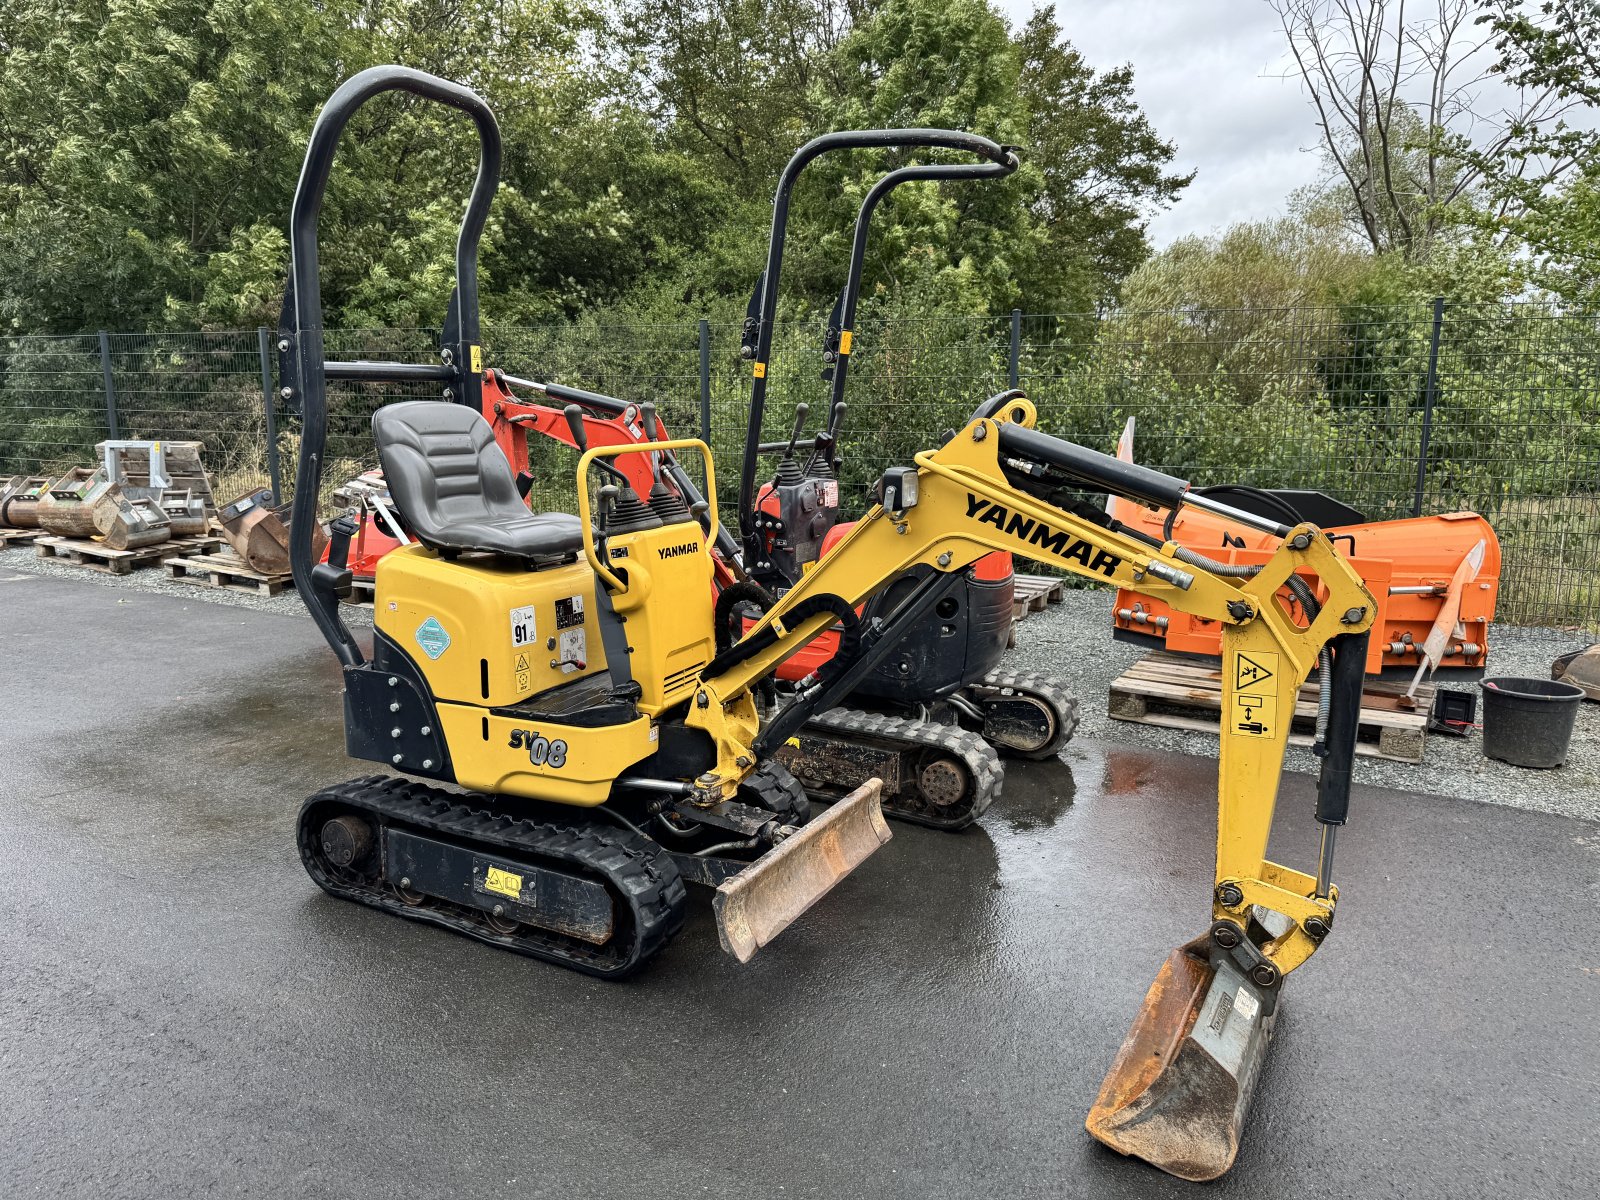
{"x": 19, "y": 537}
{"x": 225, "y": 569}
{"x": 1033, "y": 592}
{"x": 96, "y": 556}
{"x": 1182, "y": 693}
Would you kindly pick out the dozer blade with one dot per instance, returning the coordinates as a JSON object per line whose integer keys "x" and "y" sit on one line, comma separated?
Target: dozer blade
{"x": 1180, "y": 1087}
{"x": 762, "y": 900}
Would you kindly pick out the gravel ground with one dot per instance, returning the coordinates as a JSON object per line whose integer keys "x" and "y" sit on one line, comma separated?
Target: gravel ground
{"x": 1073, "y": 641}
{"x": 154, "y": 579}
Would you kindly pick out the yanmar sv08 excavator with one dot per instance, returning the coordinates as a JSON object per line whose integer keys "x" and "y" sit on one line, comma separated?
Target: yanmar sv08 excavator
{"x": 564, "y": 746}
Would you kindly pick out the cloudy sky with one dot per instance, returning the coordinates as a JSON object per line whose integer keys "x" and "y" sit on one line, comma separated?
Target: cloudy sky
{"x": 1209, "y": 75}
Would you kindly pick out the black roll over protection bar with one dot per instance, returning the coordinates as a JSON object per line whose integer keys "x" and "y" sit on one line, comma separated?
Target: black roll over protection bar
{"x": 304, "y": 367}
{"x": 767, "y": 304}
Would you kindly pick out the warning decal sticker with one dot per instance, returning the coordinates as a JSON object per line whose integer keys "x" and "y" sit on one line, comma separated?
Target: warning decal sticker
{"x": 1255, "y": 697}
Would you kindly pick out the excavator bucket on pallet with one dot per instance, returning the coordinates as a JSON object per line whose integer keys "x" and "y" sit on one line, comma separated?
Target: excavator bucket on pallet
{"x": 1178, "y": 1091}
{"x": 67, "y": 508}
{"x": 259, "y": 533}
{"x": 19, "y": 501}
{"x": 763, "y": 900}
{"x": 185, "y": 511}
{"x": 130, "y": 522}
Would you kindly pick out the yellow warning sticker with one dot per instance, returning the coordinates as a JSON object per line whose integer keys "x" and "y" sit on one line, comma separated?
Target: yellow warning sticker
{"x": 760, "y": 370}
{"x": 477, "y": 360}
{"x": 1257, "y": 671}
{"x": 506, "y": 883}
{"x": 844, "y": 342}
{"x": 1255, "y": 696}
{"x": 524, "y": 681}
{"x": 522, "y": 662}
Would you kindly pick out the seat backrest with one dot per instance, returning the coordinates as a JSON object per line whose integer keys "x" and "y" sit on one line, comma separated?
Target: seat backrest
{"x": 444, "y": 469}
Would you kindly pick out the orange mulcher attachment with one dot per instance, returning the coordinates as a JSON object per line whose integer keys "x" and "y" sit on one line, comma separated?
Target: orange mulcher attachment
{"x": 1421, "y": 570}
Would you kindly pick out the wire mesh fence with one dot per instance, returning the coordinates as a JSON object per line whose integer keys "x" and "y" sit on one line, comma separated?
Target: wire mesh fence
{"x": 1394, "y": 410}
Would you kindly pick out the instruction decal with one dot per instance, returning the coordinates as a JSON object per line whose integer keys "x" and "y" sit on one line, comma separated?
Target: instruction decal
{"x": 1255, "y": 696}
{"x": 569, "y": 612}
{"x": 523, "y": 628}
{"x": 573, "y": 651}
{"x": 433, "y": 639}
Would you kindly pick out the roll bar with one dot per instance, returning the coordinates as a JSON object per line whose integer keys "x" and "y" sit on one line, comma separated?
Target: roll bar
{"x": 304, "y": 368}
{"x": 767, "y": 304}
{"x": 844, "y": 322}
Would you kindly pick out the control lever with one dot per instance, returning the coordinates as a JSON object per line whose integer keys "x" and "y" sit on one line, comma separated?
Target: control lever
{"x": 801, "y": 411}
{"x": 580, "y": 438}
{"x": 824, "y": 452}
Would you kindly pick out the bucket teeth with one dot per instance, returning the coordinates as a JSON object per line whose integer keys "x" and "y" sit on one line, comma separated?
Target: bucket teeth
{"x": 762, "y": 900}
{"x": 1181, "y": 1085}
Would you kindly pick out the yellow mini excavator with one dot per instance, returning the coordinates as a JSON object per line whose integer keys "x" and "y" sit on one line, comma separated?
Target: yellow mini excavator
{"x": 565, "y": 747}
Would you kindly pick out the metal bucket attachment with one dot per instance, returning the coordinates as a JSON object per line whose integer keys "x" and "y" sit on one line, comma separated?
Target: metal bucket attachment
{"x": 259, "y": 534}
{"x": 1180, "y": 1087}
{"x": 67, "y": 509}
{"x": 762, "y": 900}
{"x": 19, "y": 501}
{"x": 185, "y": 511}
{"x": 129, "y": 522}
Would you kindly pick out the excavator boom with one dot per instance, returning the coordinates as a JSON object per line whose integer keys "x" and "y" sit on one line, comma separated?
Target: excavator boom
{"x": 1179, "y": 1090}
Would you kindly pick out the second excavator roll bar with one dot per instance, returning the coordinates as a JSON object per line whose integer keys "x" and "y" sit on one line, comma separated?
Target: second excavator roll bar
{"x": 766, "y": 308}
{"x": 303, "y": 364}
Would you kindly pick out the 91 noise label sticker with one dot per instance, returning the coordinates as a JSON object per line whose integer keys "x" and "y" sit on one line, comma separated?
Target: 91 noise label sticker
{"x": 523, "y": 628}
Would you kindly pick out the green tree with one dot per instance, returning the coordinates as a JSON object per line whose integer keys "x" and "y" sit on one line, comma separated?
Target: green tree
{"x": 1545, "y": 185}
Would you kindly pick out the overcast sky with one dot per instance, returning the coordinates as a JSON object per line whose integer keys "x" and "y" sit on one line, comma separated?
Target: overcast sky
{"x": 1209, "y": 75}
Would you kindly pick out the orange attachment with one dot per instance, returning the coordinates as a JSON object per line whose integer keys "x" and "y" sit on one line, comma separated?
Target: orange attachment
{"x": 1410, "y": 566}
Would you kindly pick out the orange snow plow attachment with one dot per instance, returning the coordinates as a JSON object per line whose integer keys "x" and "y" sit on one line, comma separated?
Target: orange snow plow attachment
{"x": 1417, "y": 568}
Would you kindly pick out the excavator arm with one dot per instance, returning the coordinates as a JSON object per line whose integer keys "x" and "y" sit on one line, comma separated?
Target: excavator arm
{"x": 994, "y": 487}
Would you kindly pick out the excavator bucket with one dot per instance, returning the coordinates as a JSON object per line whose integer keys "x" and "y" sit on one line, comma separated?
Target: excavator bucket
{"x": 129, "y": 522}
{"x": 761, "y": 901}
{"x": 1180, "y": 1087}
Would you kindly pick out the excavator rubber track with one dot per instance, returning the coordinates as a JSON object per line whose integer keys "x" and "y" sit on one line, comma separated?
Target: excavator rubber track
{"x": 566, "y": 869}
{"x": 941, "y": 776}
{"x": 1025, "y": 715}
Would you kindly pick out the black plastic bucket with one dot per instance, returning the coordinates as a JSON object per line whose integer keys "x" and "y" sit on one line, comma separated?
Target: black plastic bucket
{"x": 1528, "y": 722}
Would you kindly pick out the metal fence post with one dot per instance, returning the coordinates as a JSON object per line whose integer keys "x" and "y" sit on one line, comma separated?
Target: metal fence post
{"x": 705, "y": 381}
{"x": 111, "y": 391}
{"x": 269, "y": 401}
{"x": 1430, "y": 392}
{"x": 1014, "y": 362}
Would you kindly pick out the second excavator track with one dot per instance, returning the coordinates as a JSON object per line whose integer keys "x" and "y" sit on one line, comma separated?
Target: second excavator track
{"x": 934, "y": 774}
{"x": 1025, "y": 715}
{"x": 574, "y": 854}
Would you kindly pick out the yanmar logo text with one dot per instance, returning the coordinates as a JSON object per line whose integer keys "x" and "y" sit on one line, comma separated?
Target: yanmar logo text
{"x": 1037, "y": 533}
{"x": 678, "y": 551}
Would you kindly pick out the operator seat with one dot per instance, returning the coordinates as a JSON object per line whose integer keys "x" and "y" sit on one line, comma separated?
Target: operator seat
{"x": 454, "y": 487}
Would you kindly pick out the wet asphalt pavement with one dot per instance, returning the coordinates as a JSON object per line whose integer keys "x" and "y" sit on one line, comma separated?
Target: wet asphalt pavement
{"x": 183, "y": 1013}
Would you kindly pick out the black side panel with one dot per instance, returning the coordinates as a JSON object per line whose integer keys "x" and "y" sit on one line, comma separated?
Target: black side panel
{"x": 681, "y": 753}
{"x": 961, "y": 640}
{"x": 387, "y": 706}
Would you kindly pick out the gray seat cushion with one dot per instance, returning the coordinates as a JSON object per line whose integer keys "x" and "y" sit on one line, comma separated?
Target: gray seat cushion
{"x": 454, "y": 487}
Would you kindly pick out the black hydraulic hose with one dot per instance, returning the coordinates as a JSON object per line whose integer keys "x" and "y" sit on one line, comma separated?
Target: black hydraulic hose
{"x": 1283, "y": 508}
{"x": 306, "y": 286}
{"x": 767, "y": 309}
{"x": 858, "y": 249}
